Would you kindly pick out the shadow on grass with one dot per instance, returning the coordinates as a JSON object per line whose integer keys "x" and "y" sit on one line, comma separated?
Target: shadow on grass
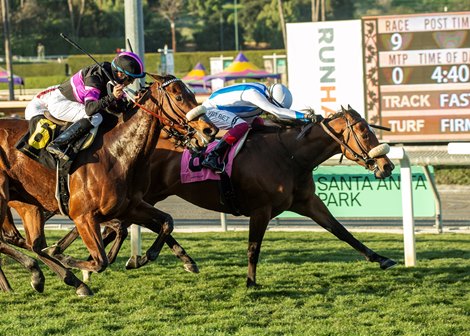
{"x": 383, "y": 284}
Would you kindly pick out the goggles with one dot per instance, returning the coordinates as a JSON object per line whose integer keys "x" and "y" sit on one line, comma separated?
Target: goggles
{"x": 127, "y": 73}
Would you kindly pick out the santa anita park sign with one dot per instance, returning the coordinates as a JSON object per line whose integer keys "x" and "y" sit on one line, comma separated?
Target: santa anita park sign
{"x": 355, "y": 192}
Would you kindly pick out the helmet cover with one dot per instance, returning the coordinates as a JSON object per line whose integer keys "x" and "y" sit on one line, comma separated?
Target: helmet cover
{"x": 280, "y": 95}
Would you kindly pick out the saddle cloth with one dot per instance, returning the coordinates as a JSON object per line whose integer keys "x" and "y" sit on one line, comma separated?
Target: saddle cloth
{"x": 41, "y": 132}
{"x": 192, "y": 171}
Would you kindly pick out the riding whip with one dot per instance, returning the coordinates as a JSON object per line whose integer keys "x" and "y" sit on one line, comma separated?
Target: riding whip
{"x": 66, "y": 38}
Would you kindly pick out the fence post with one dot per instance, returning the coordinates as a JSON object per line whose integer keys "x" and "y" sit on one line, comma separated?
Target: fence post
{"x": 223, "y": 221}
{"x": 407, "y": 204}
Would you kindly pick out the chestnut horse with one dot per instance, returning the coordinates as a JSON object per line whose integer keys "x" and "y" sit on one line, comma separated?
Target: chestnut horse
{"x": 272, "y": 174}
{"x": 107, "y": 180}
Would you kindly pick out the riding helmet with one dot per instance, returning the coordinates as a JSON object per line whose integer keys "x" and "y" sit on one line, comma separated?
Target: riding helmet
{"x": 128, "y": 63}
{"x": 280, "y": 95}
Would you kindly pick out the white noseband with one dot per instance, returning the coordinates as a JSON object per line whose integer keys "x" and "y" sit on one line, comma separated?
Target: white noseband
{"x": 195, "y": 112}
{"x": 382, "y": 149}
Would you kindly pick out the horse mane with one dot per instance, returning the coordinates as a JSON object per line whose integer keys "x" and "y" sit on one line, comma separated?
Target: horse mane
{"x": 341, "y": 114}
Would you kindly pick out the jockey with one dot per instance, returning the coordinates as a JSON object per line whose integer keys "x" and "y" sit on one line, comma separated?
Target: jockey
{"x": 84, "y": 95}
{"x": 235, "y": 107}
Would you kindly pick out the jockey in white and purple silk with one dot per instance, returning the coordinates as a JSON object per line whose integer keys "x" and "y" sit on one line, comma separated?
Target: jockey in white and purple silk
{"x": 81, "y": 98}
{"x": 235, "y": 108}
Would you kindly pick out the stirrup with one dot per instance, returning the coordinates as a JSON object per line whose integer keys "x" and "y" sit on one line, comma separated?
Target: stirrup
{"x": 54, "y": 150}
{"x": 215, "y": 168}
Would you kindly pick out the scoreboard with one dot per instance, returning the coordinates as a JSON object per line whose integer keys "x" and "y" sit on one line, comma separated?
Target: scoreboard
{"x": 417, "y": 76}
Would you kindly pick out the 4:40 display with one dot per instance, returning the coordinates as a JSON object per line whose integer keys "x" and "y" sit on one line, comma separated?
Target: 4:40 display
{"x": 455, "y": 74}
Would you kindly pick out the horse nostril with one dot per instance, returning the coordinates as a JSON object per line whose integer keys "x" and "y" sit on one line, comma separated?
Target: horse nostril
{"x": 209, "y": 131}
{"x": 389, "y": 167}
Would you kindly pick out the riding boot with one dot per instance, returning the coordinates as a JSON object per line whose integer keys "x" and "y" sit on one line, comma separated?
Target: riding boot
{"x": 60, "y": 145}
{"x": 212, "y": 159}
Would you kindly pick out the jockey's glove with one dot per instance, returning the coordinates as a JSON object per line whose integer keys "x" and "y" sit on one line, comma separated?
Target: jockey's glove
{"x": 310, "y": 117}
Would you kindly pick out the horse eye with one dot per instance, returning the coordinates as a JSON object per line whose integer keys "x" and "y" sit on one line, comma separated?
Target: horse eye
{"x": 179, "y": 98}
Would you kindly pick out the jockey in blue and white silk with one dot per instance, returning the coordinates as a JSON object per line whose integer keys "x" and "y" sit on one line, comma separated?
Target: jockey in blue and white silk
{"x": 235, "y": 108}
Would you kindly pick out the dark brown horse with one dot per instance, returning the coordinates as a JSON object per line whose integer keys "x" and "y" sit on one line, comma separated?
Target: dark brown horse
{"x": 107, "y": 180}
{"x": 273, "y": 174}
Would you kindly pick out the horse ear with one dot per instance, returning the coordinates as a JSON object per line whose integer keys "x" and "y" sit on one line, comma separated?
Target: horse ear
{"x": 154, "y": 76}
{"x": 349, "y": 107}
{"x": 342, "y": 109}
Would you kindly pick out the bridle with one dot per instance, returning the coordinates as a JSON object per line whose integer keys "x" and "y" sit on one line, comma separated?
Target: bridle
{"x": 369, "y": 158}
{"x": 183, "y": 137}
{"x": 363, "y": 156}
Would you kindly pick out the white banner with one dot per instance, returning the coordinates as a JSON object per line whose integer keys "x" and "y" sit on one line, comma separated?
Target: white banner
{"x": 325, "y": 65}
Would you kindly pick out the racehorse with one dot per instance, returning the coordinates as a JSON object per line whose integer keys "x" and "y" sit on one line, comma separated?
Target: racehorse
{"x": 107, "y": 180}
{"x": 272, "y": 174}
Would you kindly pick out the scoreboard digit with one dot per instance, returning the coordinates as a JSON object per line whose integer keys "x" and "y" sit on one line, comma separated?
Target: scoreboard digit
{"x": 417, "y": 76}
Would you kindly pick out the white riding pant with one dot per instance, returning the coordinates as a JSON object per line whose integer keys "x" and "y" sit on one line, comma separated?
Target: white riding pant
{"x": 59, "y": 107}
{"x": 226, "y": 120}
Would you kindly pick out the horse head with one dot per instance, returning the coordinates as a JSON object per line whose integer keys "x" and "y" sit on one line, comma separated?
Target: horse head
{"x": 181, "y": 112}
{"x": 358, "y": 141}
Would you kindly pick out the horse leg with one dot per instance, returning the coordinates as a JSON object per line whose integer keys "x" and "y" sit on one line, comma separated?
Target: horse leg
{"x": 189, "y": 264}
{"x": 37, "y": 277}
{"x": 153, "y": 219}
{"x": 11, "y": 234}
{"x": 13, "y": 237}
{"x": 90, "y": 233}
{"x": 4, "y": 284}
{"x": 59, "y": 247}
{"x": 33, "y": 223}
{"x": 317, "y": 211}
{"x": 117, "y": 231}
{"x": 8, "y": 229}
{"x": 259, "y": 220}
{"x": 113, "y": 231}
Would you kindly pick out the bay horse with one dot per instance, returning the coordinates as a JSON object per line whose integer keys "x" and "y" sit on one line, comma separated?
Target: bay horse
{"x": 107, "y": 180}
{"x": 272, "y": 174}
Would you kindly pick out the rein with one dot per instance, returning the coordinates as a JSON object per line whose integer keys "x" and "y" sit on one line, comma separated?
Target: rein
{"x": 288, "y": 152}
{"x": 364, "y": 157}
{"x": 166, "y": 120}
{"x": 183, "y": 136}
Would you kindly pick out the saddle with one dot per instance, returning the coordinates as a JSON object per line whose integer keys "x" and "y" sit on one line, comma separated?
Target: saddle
{"x": 42, "y": 130}
{"x": 193, "y": 171}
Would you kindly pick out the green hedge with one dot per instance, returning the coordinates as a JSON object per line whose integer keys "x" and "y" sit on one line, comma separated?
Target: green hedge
{"x": 45, "y": 69}
{"x": 184, "y": 61}
{"x": 46, "y": 73}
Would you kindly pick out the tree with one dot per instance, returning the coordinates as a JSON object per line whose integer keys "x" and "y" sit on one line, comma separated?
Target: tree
{"x": 282, "y": 22}
{"x": 318, "y": 7}
{"x": 212, "y": 30}
{"x": 76, "y": 10}
{"x": 170, "y": 9}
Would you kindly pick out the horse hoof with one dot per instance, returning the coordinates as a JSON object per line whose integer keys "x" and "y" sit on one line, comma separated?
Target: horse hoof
{"x": 136, "y": 262}
{"x": 83, "y": 290}
{"x": 387, "y": 263}
{"x": 37, "y": 282}
{"x": 252, "y": 284}
{"x": 192, "y": 268}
